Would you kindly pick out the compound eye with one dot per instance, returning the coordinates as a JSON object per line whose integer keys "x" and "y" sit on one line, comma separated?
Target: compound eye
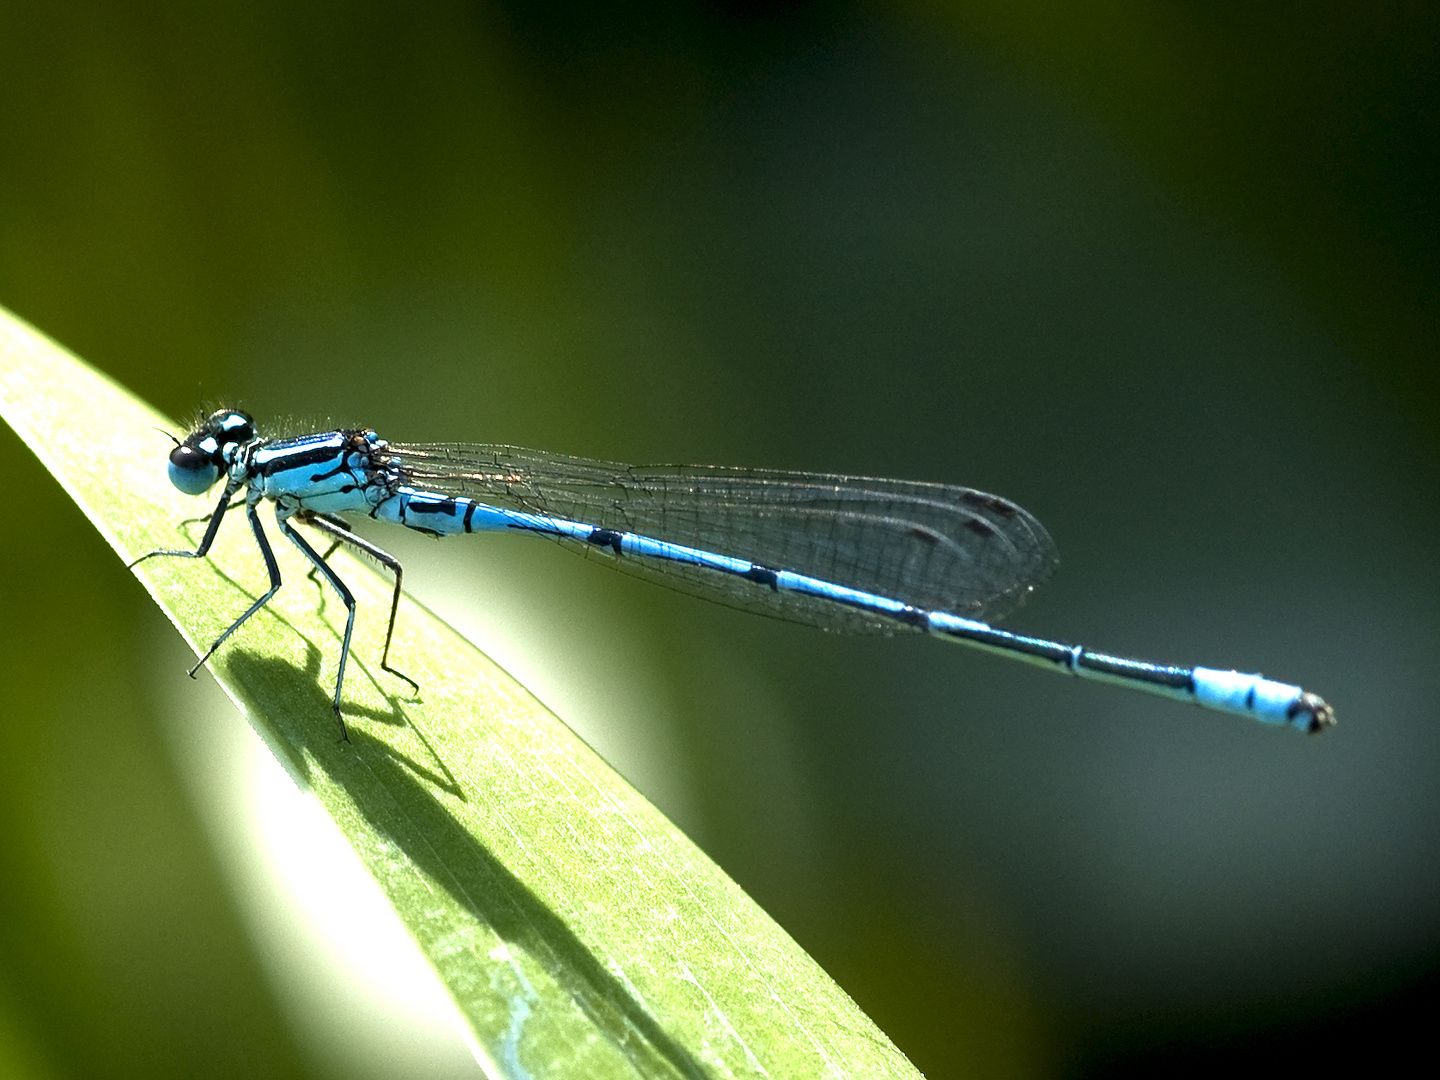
{"x": 191, "y": 471}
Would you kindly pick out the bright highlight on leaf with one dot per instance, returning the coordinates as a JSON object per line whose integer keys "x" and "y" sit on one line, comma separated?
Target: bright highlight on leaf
{"x": 579, "y": 932}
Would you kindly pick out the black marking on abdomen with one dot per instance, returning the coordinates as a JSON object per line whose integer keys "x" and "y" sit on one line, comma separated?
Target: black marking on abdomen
{"x": 1052, "y": 652}
{"x": 1174, "y": 678}
{"x": 606, "y": 538}
{"x": 762, "y": 575}
{"x": 439, "y": 506}
{"x": 980, "y": 528}
{"x": 469, "y": 513}
{"x": 913, "y": 616}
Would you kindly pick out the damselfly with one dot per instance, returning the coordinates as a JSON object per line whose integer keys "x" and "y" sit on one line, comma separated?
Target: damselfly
{"x": 840, "y": 552}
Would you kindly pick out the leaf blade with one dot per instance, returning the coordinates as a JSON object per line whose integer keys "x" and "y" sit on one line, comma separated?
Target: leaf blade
{"x": 580, "y": 932}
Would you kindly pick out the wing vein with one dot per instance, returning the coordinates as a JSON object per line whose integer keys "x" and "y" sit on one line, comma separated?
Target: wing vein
{"x": 935, "y": 546}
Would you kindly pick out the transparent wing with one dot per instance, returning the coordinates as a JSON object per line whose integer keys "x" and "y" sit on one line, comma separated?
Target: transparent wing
{"x": 935, "y": 546}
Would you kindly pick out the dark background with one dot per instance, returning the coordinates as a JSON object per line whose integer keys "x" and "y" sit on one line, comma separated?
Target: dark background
{"x": 1165, "y": 273}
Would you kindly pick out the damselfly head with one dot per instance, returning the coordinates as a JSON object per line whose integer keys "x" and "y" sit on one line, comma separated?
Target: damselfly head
{"x": 227, "y": 426}
{"x": 201, "y": 459}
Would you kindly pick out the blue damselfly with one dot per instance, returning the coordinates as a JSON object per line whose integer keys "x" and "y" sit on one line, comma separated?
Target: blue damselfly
{"x": 840, "y": 552}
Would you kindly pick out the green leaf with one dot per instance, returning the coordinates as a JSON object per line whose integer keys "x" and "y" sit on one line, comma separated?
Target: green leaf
{"x": 580, "y": 932}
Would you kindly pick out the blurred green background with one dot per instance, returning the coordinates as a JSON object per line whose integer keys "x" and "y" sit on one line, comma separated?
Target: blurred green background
{"x": 1164, "y": 273}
